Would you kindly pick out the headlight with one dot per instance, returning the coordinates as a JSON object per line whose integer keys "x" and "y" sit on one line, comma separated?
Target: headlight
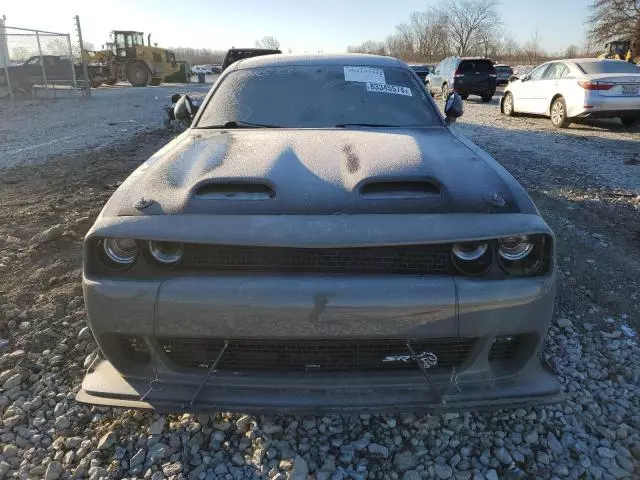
{"x": 472, "y": 258}
{"x": 515, "y": 248}
{"x": 121, "y": 251}
{"x": 468, "y": 252}
{"x": 166, "y": 252}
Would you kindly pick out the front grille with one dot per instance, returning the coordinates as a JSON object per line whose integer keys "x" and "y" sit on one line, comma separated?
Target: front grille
{"x": 403, "y": 259}
{"x": 505, "y": 348}
{"x": 313, "y": 355}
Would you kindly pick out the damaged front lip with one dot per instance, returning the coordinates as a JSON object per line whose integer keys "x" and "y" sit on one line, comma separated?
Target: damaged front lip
{"x": 103, "y": 385}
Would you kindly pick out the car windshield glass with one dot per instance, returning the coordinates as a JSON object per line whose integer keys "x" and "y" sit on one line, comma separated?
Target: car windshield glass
{"x": 468, "y": 66}
{"x": 608, "y": 67}
{"x": 320, "y": 97}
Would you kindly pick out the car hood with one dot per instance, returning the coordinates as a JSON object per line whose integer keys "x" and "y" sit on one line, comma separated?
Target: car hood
{"x": 323, "y": 172}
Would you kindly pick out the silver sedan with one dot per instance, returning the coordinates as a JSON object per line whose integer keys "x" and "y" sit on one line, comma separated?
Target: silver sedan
{"x": 580, "y": 88}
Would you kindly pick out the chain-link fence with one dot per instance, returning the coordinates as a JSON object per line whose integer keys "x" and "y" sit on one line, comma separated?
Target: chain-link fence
{"x": 36, "y": 62}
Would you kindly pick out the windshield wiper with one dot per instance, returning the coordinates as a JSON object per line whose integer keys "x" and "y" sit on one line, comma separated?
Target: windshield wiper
{"x": 240, "y": 124}
{"x": 342, "y": 125}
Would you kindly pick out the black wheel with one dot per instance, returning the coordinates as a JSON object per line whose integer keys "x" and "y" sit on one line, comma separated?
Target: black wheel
{"x": 486, "y": 97}
{"x": 559, "y": 113}
{"x": 464, "y": 97}
{"x": 444, "y": 93}
{"x": 138, "y": 74}
{"x": 628, "y": 121}
{"x": 507, "y": 105}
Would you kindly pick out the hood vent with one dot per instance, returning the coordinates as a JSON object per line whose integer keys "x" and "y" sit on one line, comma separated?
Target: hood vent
{"x": 400, "y": 189}
{"x": 235, "y": 191}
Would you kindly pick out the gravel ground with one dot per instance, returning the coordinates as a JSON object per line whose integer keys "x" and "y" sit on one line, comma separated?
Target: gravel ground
{"x": 37, "y": 129}
{"x": 592, "y": 344}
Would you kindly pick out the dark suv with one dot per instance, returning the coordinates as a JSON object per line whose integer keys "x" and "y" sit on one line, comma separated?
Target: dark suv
{"x": 467, "y": 76}
{"x": 235, "y": 54}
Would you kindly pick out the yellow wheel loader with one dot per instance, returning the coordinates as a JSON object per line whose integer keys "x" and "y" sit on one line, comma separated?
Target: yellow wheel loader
{"x": 627, "y": 50}
{"x": 127, "y": 57}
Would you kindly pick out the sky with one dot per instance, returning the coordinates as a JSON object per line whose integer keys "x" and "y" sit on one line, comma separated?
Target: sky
{"x": 299, "y": 25}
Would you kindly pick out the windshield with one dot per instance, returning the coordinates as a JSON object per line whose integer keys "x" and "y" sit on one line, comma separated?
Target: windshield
{"x": 320, "y": 97}
{"x": 608, "y": 67}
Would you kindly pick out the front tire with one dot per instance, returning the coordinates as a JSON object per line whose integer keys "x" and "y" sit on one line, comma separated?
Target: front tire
{"x": 507, "y": 105}
{"x": 628, "y": 121}
{"x": 559, "y": 117}
{"x": 486, "y": 97}
{"x": 138, "y": 74}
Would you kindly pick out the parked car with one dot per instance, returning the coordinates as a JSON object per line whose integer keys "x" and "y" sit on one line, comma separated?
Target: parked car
{"x": 422, "y": 71}
{"x": 57, "y": 68}
{"x": 503, "y": 74}
{"x": 319, "y": 240}
{"x": 466, "y": 75}
{"x": 577, "y": 88}
{"x": 235, "y": 54}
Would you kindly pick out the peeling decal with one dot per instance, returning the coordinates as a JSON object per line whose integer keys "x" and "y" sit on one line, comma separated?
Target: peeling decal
{"x": 364, "y": 75}
{"x": 384, "y": 88}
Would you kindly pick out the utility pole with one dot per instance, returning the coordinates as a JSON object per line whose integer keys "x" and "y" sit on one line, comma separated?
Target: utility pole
{"x": 83, "y": 59}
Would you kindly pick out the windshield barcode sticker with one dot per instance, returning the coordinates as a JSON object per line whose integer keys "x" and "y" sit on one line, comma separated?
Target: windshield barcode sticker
{"x": 364, "y": 75}
{"x": 384, "y": 88}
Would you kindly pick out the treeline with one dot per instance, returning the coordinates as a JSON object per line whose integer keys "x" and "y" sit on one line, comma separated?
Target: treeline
{"x": 199, "y": 56}
{"x": 463, "y": 28}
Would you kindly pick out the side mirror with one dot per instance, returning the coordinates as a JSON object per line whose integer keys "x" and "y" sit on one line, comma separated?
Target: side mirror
{"x": 184, "y": 109}
{"x": 453, "y": 108}
{"x": 525, "y": 78}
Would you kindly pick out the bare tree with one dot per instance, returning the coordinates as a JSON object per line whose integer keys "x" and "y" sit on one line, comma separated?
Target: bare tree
{"x": 508, "y": 47}
{"x": 268, "y": 42}
{"x": 21, "y": 53}
{"x": 429, "y": 29}
{"x": 469, "y": 21}
{"x": 370, "y": 46}
{"x": 57, "y": 46}
{"x": 532, "y": 50}
{"x": 613, "y": 19}
{"x": 199, "y": 56}
{"x": 571, "y": 51}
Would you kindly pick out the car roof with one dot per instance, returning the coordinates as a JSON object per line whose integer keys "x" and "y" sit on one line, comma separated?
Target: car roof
{"x": 354, "y": 59}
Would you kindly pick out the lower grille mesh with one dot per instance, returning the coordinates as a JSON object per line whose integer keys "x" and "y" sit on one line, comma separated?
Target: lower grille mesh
{"x": 400, "y": 259}
{"x": 313, "y": 355}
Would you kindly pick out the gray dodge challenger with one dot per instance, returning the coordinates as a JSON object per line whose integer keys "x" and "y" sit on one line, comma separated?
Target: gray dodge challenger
{"x": 319, "y": 240}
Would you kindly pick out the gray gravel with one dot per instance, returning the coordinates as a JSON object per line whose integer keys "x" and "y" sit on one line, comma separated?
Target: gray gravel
{"x": 592, "y": 346}
{"x": 35, "y": 130}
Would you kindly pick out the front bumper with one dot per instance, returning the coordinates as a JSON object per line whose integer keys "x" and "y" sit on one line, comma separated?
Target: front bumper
{"x": 295, "y": 307}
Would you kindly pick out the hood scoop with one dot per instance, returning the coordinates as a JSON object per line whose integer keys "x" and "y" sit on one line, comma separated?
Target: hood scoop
{"x": 234, "y": 191}
{"x": 387, "y": 189}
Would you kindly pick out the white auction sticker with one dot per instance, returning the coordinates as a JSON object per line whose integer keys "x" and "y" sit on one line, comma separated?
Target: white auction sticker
{"x": 384, "y": 88}
{"x": 364, "y": 75}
